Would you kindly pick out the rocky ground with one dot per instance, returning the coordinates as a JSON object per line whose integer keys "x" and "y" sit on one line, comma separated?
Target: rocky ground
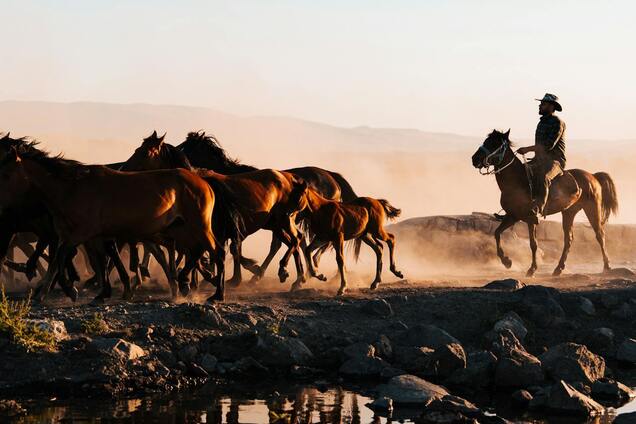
{"x": 549, "y": 351}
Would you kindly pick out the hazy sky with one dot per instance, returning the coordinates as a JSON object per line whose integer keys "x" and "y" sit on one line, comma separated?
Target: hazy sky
{"x": 452, "y": 66}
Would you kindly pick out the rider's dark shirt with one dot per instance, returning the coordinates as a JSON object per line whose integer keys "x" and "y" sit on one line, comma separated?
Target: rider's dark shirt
{"x": 551, "y": 134}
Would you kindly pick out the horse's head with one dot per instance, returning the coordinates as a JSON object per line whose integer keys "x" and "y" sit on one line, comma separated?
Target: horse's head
{"x": 205, "y": 151}
{"x": 297, "y": 199}
{"x": 492, "y": 149}
{"x": 14, "y": 183}
{"x": 155, "y": 154}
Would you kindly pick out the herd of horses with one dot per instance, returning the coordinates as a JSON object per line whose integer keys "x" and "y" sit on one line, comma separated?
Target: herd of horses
{"x": 184, "y": 205}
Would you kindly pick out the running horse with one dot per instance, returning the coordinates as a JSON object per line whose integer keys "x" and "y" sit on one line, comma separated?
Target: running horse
{"x": 570, "y": 193}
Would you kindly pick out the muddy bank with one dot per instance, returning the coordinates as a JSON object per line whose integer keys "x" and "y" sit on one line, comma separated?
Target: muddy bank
{"x": 471, "y": 341}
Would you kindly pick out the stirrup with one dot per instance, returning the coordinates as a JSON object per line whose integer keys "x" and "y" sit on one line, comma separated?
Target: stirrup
{"x": 499, "y": 216}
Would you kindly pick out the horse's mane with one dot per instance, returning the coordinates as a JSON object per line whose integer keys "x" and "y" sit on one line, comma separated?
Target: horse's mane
{"x": 26, "y": 148}
{"x": 212, "y": 147}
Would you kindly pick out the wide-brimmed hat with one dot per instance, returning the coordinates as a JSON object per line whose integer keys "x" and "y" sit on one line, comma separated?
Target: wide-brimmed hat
{"x": 552, "y": 99}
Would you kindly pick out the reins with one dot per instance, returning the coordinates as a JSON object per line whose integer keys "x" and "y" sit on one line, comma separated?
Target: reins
{"x": 500, "y": 153}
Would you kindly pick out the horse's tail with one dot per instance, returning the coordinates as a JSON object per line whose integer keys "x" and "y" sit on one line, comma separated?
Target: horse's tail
{"x": 356, "y": 248}
{"x": 346, "y": 191}
{"x": 227, "y": 221}
{"x": 391, "y": 211}
{"x": 609, "y": 200}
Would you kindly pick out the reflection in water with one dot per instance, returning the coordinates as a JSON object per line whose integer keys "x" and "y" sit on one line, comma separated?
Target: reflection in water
{"x": 215, "y": 405}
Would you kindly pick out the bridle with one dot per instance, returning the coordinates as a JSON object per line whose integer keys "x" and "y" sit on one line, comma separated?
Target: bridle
{"x": 498, "y": 155}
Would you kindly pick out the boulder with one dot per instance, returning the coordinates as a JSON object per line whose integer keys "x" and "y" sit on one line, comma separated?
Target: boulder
{"x": 626, "y": 351}
{"x": 573, "y": 363}
{"x": 188, "y": 353}
{"x": 359, "y": 349}
{"x": 54, "y": 327}
{"x": 278, "y": 351}
{"x": 504, "y": 342}
{"x": 479, "y": 371}
{"x": 629, "y": 418}
{"x": 119, "y": 348}
{"x": 598, "y": 340}
{"x": 412, "y": 359}
{"x": 608, "y": 389}
{"x": 247, "y": 366}
{"x": 427, "y": 336}
{"x": 540, "y": 304}
{"x": 411, "y": 390}
{"x": 209, "y": 362}
{"x": 383, "y": 347}
{"x": 446, "y": 359}
{"x": 508, "y": 284}
{"x": 518, "y": 369}
{"x": 564, "y": 399}
{"x": 453, "y": 409}
{"x": 521, "y": 398}
{"x": 624, "y": 312}
{"x": 378, "y": 307}
{"x": 383, "y": 404}
{"x": 513, "y": 322}
{"x": 586, "y": 306}
{"x": 364, "y": 367}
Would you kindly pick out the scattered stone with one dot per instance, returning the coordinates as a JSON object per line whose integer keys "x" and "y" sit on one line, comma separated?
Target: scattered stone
{"x": 609, "y": 301}
{"x": 541, "y": 306}
{"x": 564, "y": 399}
{"x": 509, "y": 284}
{"x": 608, "y": 389}
{"x": 573, "y": 363}
{"x": 412, "y": 359}
{"x": 479, "y": 371}
{"x": 383, "y": 347}
{"x": 119, "y": 348}
{"x": 428, "y": 336}
{"x": 379, "y": 307}
{"x": 453, "y": 409}
{"x": 411, "y": 390}
{"x": 625, "y": 311}
{"x": 518, "y": 369}
{"x": 209, "y": 362}
{"x": 11, "y": 408}
{"x": 505, "y": 342}
{"x": 51, "y": 326}
{"x": 383, "y": 404}
{"x": 279, "y": 351}
{"x": 513, "y": 322}
{"x": 364, "y": 367}
{"x": 197, "y": 370}
{"x": 249, "y": 366}
{"x": 359, "y": 349}
{"x": 521, "y": 398}
{"x": 446, "y": 359}
{"x": 188, "y": 354}
{"x": 626, "y": 351}
{"x": 598, "y": 340}
{"x": 586, "y": 306}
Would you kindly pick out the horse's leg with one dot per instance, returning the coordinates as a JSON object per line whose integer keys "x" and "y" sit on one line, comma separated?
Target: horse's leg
{"x": 134, "y": 266}
{"x": 113, "y": 252}
{"x": 321, "y": 250}
{"x": 100, "y": 268}
{"x": 191, "y": 262}
{"x": 338, "y": 245}
{"x": 594, "y": 215}
{"x": 235, "y": 250}
{"x": 532, "y": 236}
{"x": 93, "y": 261}
{"x": 568, "y": 220}
{"x": 290, "y": 242}
{"x": 71, "y": 271}
{"x": 145, "y": 262}
{"x": 274, "y": 247}
{"x": 315, "y": 244}
{"x": 389, "y": 239}
{"x": 165, "y": 264}
{"x": 55, "y": 267}
{"x": 377, "y": 248}
{"x": 219, "y": 259}
{"x": 507, "y": 222}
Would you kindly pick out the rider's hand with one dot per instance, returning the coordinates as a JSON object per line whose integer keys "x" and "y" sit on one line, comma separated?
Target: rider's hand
{"x": 524, "y": 150}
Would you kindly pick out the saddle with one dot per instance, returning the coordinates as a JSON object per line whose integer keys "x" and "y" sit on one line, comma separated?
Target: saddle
{"x": 563, "y": 193}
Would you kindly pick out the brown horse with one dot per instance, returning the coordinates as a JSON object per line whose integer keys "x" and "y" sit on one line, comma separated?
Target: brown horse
{"x": 332, "y": 222}
{"x": 260, "y": 196}
{"x": 90, "y": 202}
{"x": 576, "y": 189}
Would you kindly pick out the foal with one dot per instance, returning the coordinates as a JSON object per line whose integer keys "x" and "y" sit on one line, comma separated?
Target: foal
{"x": 332, "y": 222}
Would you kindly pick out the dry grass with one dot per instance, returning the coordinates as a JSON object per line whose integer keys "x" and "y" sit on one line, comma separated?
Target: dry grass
{"x": 14, "y": 325}
{"x": 95, "y": 326}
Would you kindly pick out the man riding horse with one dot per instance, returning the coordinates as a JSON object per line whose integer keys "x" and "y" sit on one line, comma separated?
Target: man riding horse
{"x": 549, "y": 151}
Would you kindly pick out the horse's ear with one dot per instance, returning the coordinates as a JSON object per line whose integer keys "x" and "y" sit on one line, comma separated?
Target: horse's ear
{"x": 507, "y": 134}
{"x": 7, "y": 135}
{"x": 163, "y": 136}
{"x": 154, "y": 134}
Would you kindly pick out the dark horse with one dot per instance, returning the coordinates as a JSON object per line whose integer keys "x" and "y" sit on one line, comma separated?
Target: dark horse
{"x": 576, "y": 189}
{"x": 204, "y": 151}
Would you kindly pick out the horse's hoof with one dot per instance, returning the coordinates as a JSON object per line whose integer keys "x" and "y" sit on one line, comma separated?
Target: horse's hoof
{"x": 233, "y": 282}
{"x": 374, "y": 285}
{"x": 283, "y": 275}
{"x": 72, "y": 294}
{"x": 296, "y": 286}
{"x": 557, "y": 272}
{"x": 215, "y": 298}
{"x": 128, "y": 295}
{"x": 30, "y": 274}
{"x": 184, "y": 289}
{"x": 321, "y": 277}
{"x": 506, "y": 262}
{"x": 607, "y": 268}
{"x": 398, "y": 274}
{"x": 341, "y": 292}
{"x": 530, "y": 273}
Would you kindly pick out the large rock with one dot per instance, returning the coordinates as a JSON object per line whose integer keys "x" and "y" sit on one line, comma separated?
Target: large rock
{"x": 518, "y": 369}
{"x": 378, "y": 307}
{"x": 504, "y": 342}
{"x": 359, "y": 349}
{"x": 119, "y": 348}
{"x": 479, "y": 371}
{"x": 629, "y": 418}
{"x": 277, "y": 351}
{"x": 509, "y": 284}
{"x": 54, "y": 327}
{"x": 598, "y": 340}
{"x": 540, "y": 304}
{"x": 428, "y": 336}
{"x": 564, "y": 399}
{"x": 364, "y": 367}
{"x": 573, "y": 363}
{"x": 513, "y": 322}
{"x": 412, "y": 359}
{"x": 446, "y": 359}
{"x": 626, "y": 351}
{"x": 586, "y": 306}
{"x": 607, "y": 389}
{"x": 453, "y": 409}
{"x": 411, "y": 390}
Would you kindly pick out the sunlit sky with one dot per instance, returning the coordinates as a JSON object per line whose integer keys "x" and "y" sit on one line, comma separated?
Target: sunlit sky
{"x": 450, "y": 66}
